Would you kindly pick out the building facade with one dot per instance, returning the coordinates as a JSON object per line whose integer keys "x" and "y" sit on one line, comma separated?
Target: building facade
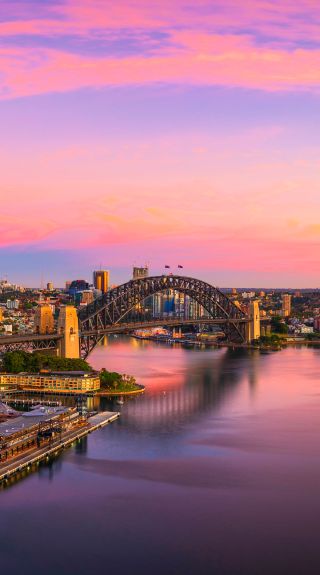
{"x": 286, "y": 305}
{"x": 140, "y": 272}
{"x": 101, "y": 280}
{"x": 51, "y": 382}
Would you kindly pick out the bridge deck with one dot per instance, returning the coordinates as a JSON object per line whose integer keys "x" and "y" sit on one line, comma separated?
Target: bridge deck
{"x": 26, "y": 337}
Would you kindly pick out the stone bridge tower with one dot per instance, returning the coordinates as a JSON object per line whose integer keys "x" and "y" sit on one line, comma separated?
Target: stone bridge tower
{"x": 68, "y": 326}
{"x": 43, "y": 321}
{"x": 253, "y": 327}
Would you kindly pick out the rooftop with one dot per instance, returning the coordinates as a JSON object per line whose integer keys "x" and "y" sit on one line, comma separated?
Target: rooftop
{"x": 30, "y": 418}
{"x": 54, "y": 374}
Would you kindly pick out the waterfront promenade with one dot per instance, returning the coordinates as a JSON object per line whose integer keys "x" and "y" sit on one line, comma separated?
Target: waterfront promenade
{"x": 35, "y": 455}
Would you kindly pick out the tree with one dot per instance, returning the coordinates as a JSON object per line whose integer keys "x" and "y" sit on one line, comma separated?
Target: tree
{"x": 14, "y": 361}
{"x": 278, "y": 326}
{"x": 17, "y": 361}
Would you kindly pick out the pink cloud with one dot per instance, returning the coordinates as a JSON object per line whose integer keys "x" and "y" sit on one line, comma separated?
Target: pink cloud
{"x": 208, "y": 47}
{"x": 28, "y": 72}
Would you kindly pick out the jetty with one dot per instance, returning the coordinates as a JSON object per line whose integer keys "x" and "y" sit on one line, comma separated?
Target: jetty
{"x": 32, "y": 457}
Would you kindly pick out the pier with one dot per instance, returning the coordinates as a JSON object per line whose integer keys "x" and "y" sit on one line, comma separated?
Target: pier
{"x": 36, "y": 455}
{"x": 27, "y": 402}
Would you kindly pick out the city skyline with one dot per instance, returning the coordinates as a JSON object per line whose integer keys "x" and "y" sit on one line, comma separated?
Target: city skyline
{"x": 134, "y": 131}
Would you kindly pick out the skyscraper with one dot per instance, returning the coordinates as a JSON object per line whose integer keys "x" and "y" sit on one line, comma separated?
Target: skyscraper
{"x": 140, "y": 272}
{"x": 286, "y": 304}
{"x": 101, "y": 280}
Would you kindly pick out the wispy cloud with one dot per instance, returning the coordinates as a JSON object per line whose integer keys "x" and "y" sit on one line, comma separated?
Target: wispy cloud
{"x": 71, "y": 45}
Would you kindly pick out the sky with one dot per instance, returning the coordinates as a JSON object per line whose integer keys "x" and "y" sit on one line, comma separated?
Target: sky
{"x": 163, "y": 132}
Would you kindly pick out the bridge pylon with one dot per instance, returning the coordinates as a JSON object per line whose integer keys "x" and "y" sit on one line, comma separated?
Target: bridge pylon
{"x": 68, "y": 326}
{"x": 43, "y": 321}
{"x": 253, "y": 326}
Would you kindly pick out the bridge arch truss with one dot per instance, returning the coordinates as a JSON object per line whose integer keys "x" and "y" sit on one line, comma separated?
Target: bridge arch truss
{"x": 110, "y": 311}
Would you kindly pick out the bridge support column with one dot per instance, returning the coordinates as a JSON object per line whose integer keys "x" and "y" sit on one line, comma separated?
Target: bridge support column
{"x": 68, "y": 326}
{"x": 43, "y": 321}
{"x": 253, "y": 327}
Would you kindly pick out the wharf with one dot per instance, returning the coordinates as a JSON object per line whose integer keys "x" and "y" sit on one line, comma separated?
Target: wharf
{"x": 30, "y": 402}
{"x": 34, "y": 456}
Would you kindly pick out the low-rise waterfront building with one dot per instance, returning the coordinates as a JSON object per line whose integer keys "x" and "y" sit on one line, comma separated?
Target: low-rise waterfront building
{"x": 34, "y": 427}
{"x": 59, "y": 382}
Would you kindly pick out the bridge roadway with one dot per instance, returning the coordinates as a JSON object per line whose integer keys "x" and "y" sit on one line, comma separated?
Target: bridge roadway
{"x": 34, "y": 342}
{"x": 29, "y": 342}
{"x": 27, "y": 337}
{"x": 11, "y": 340}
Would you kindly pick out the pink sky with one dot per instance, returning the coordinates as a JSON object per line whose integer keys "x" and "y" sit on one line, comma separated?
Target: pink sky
{"x": 142, "y": 131}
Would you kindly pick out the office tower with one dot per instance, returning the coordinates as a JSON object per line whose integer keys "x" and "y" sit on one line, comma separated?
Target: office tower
{"x": 43, "y": 321}
{"x": 76, "y": 286}
{"x": 86, "y": 297}
{"x": 140, "y": 272}
{"x": 286, "y": 305}
{"x": 101, "y": 280}
{"x": 50, "y": 286}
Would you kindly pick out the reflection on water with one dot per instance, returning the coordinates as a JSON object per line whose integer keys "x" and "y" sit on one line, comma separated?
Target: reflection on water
{"x": 215, "y": 469}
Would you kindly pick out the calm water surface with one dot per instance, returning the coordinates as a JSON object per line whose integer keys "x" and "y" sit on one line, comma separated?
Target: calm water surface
{"x": 216, "y": 469}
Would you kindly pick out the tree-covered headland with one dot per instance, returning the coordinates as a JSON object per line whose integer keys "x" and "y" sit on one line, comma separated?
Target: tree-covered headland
{"x": 21, "y": 361}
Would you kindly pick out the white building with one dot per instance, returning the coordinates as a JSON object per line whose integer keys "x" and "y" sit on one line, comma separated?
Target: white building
{"x": 8, "y": 328}
{"x": 13, "y": 304}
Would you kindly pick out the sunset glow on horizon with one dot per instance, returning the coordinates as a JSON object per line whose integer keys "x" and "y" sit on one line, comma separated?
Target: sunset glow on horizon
{"x": 162, "y": 132}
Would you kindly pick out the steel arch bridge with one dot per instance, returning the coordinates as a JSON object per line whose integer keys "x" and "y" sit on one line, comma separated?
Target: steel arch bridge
{"x": 108, "y": 314}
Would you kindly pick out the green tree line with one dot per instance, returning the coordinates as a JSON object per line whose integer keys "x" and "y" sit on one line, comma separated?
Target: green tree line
{"x": 17, "y": 361}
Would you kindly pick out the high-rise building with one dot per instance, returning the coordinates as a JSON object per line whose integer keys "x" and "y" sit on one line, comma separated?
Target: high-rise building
{"x": 101, "y": 280}
{"x": 286, "y": 305}
{"x": 76, "y": 286}
{"x": 43, "y": 321}
{"x": 140, "y": 272}
{"x": 50, "y": 286}
{"x": 84, "y": 297}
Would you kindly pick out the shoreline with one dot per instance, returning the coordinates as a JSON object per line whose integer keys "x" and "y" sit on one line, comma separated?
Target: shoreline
{"x": 281, "y": 345}
{"x": 107, "y": 393}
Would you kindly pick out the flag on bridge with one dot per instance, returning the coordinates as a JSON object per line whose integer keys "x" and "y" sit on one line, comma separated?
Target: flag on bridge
{"x": 167, "y": 267}
{"x": 181, "y": 267}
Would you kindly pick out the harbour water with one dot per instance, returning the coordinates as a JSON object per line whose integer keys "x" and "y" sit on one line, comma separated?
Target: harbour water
{"x": 214, "y": 470}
